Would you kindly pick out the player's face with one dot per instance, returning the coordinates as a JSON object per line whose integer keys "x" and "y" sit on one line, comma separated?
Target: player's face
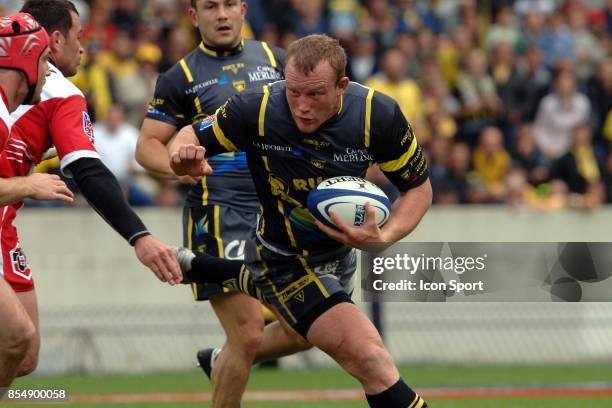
{"x": 43, "y": 72}
{"x": 219, "y": 21}
{"x": 69, "y": 50}
{"x": 314, "y": 97}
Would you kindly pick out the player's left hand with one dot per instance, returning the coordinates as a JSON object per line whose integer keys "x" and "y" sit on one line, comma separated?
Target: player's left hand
{"x": 367, "y": 237}
{"x": 160, "y": 258}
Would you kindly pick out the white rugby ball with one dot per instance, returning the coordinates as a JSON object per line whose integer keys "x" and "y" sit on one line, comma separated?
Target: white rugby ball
{"x": 347, "y": 196}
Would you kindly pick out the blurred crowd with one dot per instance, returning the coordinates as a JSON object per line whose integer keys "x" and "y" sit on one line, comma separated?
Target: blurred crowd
{"x": 511, "y": 99}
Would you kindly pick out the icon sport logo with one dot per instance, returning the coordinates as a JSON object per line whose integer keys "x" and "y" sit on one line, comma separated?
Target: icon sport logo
{"x": 88, "y": 126}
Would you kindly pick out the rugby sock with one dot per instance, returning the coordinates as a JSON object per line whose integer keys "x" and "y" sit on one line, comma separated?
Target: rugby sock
{"x": 211, "y": 269}
{"x": 398, "y": 395}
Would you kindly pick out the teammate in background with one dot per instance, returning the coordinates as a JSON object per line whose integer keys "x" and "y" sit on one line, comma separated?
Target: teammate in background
{"x": 222, "y": 208}
{"x": 23, "y": 68}
{"x": 294, "y": 133}
{"x": 61, "y": 119}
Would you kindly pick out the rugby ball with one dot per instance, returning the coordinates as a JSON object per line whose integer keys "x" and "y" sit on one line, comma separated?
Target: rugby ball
{"x": 347, "y": 196}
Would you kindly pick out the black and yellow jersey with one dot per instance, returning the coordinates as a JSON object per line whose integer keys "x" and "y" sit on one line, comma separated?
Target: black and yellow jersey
{"x": 286, "y": 164}
{"x": 194, "y": 88}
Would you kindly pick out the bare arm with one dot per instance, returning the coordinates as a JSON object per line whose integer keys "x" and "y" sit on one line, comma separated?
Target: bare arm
{"x": 187, "y": 156}
{"x": 407, "y": 212}
{"x": 151, "y": 150}
{"x": 184, "y": 136}
{"x": 38, "y": 186}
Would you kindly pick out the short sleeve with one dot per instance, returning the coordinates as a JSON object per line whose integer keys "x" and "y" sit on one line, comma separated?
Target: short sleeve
{"x": 229, "y": 128}
{"x": 72, "y": 132}
{"x": 395, "y": 147}
{"x": 167, "y": 103}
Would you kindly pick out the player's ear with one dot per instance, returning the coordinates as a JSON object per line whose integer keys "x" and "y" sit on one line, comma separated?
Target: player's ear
{"x": 244, "y": 7}
{"x": 56, "y": 39}
{"x": 193, "y": 15}
{"x": 342, "y": 85}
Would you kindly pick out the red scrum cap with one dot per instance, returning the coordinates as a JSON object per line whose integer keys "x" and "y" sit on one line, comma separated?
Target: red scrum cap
{"x": 22, "y": 41}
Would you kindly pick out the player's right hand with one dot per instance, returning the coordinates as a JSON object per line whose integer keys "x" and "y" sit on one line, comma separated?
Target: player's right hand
{"x": 189, "y": 160}
{"x": 159, "y": 258}
{"x": 44, "y": 186}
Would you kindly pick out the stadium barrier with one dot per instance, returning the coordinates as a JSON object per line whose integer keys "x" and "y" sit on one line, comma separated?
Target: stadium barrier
{"x": 101, "y": 311}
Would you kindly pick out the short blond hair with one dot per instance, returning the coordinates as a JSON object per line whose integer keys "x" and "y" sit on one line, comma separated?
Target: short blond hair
{"x": 306, "y": 53}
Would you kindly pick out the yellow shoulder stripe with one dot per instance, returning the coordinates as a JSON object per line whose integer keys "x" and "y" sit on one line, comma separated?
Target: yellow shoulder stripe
{"x": 186, "y": 69}
{"x": 270, "y": 54}
{"x": 395, "y": 165}
{"x": 368, "y": 116}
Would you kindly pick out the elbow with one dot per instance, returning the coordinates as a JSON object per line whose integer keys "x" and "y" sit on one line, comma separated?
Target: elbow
{"x": 140, "y": 148}
{"x": 424, "y": 195}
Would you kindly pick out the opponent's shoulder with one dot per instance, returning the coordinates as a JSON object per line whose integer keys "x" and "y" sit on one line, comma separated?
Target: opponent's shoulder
{"x": 58, "y": 86}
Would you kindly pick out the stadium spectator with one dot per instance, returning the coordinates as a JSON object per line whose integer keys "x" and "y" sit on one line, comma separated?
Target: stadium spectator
{"x": 504, "y": 30}
{"x": 558, "y": 114}
{"x": 406, "y": 43}
{"x": 589, "y": 51}
{"x": 121, "y": 64}
{"x": 480, "y": 103}
{"x": 416, "y": 14}
{"x": 392, "y": 81}
{"x": 309, "y": 17}
{"x": 504, "y": 72}
{"x": 456, "y": 188}
{"x": 532, "y": 83}
{"x": 344, "y": 19}
{"x": 583, "y": 167}
{"x": 599, "y": 91}
{"x": 116, "y": 143}
{"x": 491, "y": 163}
{"x": 363, "y": 62}
{"x": 525, "y": 153}
{"x": 180, "y": 42}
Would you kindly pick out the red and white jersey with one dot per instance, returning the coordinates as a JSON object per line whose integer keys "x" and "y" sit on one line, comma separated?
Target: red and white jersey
{"x": 5, "y": 122}
{"x": 13, "y": 263}
{"x": 60, "y": 119}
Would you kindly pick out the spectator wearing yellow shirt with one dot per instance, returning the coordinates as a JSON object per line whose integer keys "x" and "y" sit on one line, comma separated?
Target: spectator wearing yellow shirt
{"x": 491, "y": 162}
{"x": 392, "y": 81}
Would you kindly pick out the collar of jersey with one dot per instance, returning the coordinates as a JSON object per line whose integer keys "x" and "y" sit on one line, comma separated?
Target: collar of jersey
{"x": 222, "y": 52}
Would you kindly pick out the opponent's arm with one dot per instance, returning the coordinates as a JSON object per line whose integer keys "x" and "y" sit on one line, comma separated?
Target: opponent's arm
{"x": 101, "y": 189}
{"x": 38, "y": 186}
